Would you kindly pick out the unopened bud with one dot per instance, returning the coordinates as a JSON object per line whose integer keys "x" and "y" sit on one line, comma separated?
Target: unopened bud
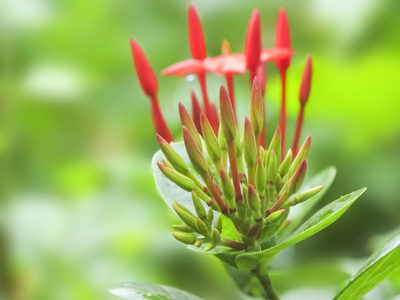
{"x": 249, "y": 144}
{"x": 210, "y": 139}
{"x": 297, "y": 178}
{"x": 195, "y": 155}
{"x": 188, "y": 219}
{"x": 305, "y": 86}
{"x": 187, "y": 121}
{"x": 183, "y": 228}
{"x": 276, "y": 216}
{"x": 181, "y": 180}
{"x": 275, "y": 144}
{"x": 174, "y": 158}
{"x": 282, "y": 39}
{"x": 184, "y": 237}
{"x": 302, "y": 154}
{"x": 201, "y": 226}
{"x": 196, "y": 35}
{"x": 254, "y": 201}
{"x": 272, "y": 167}
{"x": 209, "y": 247}
{"x": 198, "y": 206}
{"x": 260, "y": 177}
{"x": 215, "y": 235}
{"x": 218, "y": 223}
{"x": 285, "y": 165}
{"x": 257, "y": 107}
{"x": 198, "y": 243}
{"x": 305, "y": 195}
{"x": 227, "y": 116}
{"x": 228, "y": 189}
{"x": 210, "y": 216}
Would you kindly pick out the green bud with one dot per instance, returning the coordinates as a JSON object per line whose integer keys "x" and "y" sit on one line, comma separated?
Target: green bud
{"x": 201, "y": 226}
{"x": 305, "y": 195}
{"x": 244, "y": 191}
{"x": 295, "y": 182}
{"x": 187, "y": 121}
{"x": 276, "y": 216}
{"x": 278, "y": 183}
{"x": 218, "y": 223}
{"x": 174, "y": 158}
{"x": 257, "y": 107}
{"x": 198, "y": 206}
{"x": 210, "y": 216}
{"x": 184, "y": 208}
{"x": 272, "y": 167}
{"x": 183, "y": 228}
{"x": 260, "y": 177}
{"x": 302, "y": 154}
{"x": 228, "y": 189}
{"x": 275, "y": 144}
{"x": 285, "y": 165}
{"x": 184, "y": 237}
{"x": 254, "y": 202}
{"x": 198, "y": 244}
{"x": 227, "y": 116}
{"x": 181, "y": 180}
{"x": 195, "y": 155}
{"x": 209, "y": 247}
{"x": 221, "y": 139}
{"x": 210, "y": 139}
{"x": 166, "y": 163}
{"x": 188, "y": 219}
{"x": 215, "y": 235}
{"x": 249, "y": 144}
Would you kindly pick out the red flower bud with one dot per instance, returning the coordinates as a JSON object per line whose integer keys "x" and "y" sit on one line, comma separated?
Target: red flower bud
{"x": 147, "y": 78}
{"x": 306, "y": 81}
{"x": 196, "y": 112}
{"x": 196, "y": 35}
{"x": 252, "y": 48}
{"x": 282, "y": 38}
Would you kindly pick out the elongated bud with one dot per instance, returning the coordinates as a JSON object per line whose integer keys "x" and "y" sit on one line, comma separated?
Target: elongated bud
{"x": 257, "y": 107}
{"x": 210, "y": 216}
{"x": 275, "y": 144}
{"x": 201, "y": 226}
{"x": 228, "y": 190}
{"x": 147, "y": 78}
{"x": 249, "y": 144}
{"x": 174, "y": 158}
{"x": 198, "y": 206}
{"x": 218, "y": 224}
{"x": 188, "y": 219}
{"x": 209, "y": 247}
{"x": 196, "y": 35}
{"x": 184, "y": 237}
{"x": 198, "y": 244}
{"x": 181, "y": 180}
{"x": 254, "y": 201}
{"x": 225, "y": 47}
{"x": 210, "y": 139}
{"x": 228, "y": 122}
{"x": 194, "y": 153}
{"x": 305, "y": 86}
{"x": 215, "y": 235}
{"x": 297, "y": 178}
{"x": 278, "y": 184}
{"x": 282, "y": 38}
{"x": 183, "y": 228}
{"x": 303, "y": 154}
{"x": 285, "y": 165}
{"x": 184, "y": 208}
{"x": 260, "y": 177}
{"x": 304, "y": 196}
{"x": 244, "y": 191}
{"x": 276, "y": 216}
{"x": 214, "y": 117}
{"x": 196, "y": 111}
{"x": 221, "y": 139}
{"x": 272, "y": 167}
{"x": 166, "y": 163}
{"x": 187, "y": 121}
{"x": 252, "y": 48}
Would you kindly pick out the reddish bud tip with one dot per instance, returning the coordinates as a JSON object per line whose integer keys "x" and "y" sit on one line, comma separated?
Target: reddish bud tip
{"x": 144, "y": 71}
{"x": 187, "y": 122}
{"x": 305, "y": 86}
{"x": 282, "y": 38}
{"x": 228, "y": 122}
{"x": 252, "y": 48}
{"x": 196, "y": 35}
{"x": 196, "y": 111}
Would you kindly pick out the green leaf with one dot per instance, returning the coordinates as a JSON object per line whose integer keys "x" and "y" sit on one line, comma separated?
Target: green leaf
{"x": 229, "y": 230}
{"x": 144, "y": 291}
{"x": 323, "y": 218}
{"x": 168, "y": 190}
{"x": 298, "y": 212}
{"x": 381, "y": 264}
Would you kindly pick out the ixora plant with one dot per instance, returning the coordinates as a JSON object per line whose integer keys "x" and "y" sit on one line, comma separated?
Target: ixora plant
{"x": 238, "y": 198}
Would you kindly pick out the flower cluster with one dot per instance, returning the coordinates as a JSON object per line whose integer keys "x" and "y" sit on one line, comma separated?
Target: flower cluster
{"x": 248, "y": 184}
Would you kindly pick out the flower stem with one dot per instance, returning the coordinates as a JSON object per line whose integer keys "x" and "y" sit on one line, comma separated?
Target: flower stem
{"x": 231, "y": 90}
{"x": 267, "y": 285}
{"x": 282, "y": 119}
{"x": 299, "y": 125}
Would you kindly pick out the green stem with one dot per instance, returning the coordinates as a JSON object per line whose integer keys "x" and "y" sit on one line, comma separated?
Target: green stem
{"x": 267, "y": 285}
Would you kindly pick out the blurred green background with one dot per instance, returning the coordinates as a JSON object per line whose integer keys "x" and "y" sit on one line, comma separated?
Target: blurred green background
{"x": 79, "y": 209}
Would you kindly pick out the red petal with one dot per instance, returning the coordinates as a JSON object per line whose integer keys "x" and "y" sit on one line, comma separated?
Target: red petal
{"x": 184, "y": 67}
{"x": 274, "y": 54}
{"x": 196, "y": 35}
{"x": 147, "y": 78}
{"x": 233, "y": 63}
{"x": 306, "y": 81}
{"x": 282, "y": 39}
{"x": 252, "y": 48}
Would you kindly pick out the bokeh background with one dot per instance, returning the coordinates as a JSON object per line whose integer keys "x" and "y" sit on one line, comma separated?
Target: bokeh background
{"x": 79, "y": 209}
